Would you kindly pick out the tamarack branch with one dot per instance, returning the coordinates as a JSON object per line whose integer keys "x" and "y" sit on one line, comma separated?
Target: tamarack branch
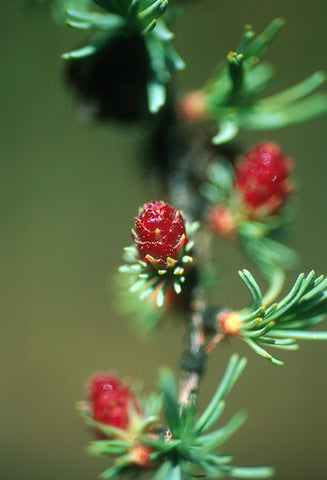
{"x": 214, "y": 190}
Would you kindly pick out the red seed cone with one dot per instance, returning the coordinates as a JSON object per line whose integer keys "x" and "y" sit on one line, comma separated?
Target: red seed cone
{"x": 160, "y": 235}
{"x": 262, "y": 179}
{"x": 110, "y": 400}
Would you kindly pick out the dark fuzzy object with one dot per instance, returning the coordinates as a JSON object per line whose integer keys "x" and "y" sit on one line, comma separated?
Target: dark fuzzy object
{"x": 111, "y": 84}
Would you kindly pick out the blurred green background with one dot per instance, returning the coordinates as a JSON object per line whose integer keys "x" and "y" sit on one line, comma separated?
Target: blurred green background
{"x": 65, "y": 216}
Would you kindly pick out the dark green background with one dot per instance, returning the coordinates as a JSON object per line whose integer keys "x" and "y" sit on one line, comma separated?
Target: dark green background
{"x": 68, "y": 196}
